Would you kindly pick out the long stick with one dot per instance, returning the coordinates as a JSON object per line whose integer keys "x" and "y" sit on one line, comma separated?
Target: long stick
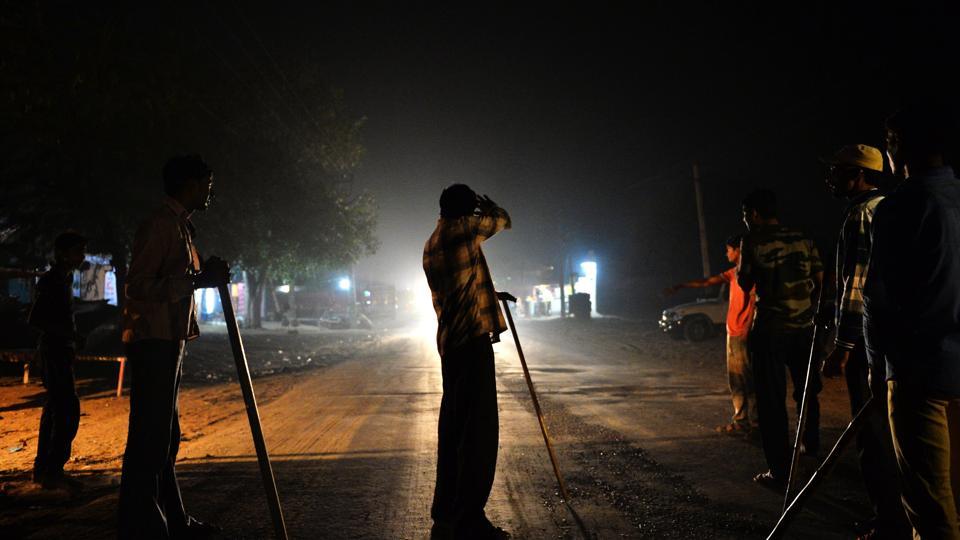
{"x": 253, "y": 414}
{"x": 536, "y": 405}
{"x": 825, "y": 468}
{"x": 804, "y": 405}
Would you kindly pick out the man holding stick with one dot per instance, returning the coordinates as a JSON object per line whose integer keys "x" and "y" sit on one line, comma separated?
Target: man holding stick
{"x": 785, "y": 267}
{"x": 469, "y": 322}
{"x": 853, "y": 176}
{"x": 158, "y": 318}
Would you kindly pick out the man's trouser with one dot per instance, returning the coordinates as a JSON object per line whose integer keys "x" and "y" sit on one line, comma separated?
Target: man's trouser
{"x": 61, "y": 413}
{"x": 740, "y": 378}
{"x": 468, "y": 434}
{"x": 769, "y": 353}
{"x": 150, "y": 504}
{"x": 921, "y": 440}
{"x": 878, "y": 464}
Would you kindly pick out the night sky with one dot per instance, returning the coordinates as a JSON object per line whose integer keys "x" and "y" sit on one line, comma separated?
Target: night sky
{"x": 583, "y": 121}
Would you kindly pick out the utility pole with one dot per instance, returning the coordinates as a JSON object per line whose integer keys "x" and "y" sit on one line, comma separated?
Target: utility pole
{"x": 563, "y": 294}
{"x": 701, "y": 221}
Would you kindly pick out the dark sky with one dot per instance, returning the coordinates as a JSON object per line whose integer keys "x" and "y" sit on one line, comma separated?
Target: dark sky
{"x": 583, "y": 121}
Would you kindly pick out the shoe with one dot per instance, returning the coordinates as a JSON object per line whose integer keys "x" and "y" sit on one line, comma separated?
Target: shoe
{"x": 198, "y": 530}
{"x": 770, "y": 481}
{"x": 54, "y": 481}
{"x": 732, "y": 427}
{"x": 484, "y": 530}
{"x": 813, "y": 452}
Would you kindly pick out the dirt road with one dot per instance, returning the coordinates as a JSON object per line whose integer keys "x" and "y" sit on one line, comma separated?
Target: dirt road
{"x": 353, "y": 446}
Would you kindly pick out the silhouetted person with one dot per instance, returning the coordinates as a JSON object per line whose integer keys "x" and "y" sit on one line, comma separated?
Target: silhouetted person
{"x": 52, "y": 314}
{"x": 740, "y": 308}
{"x": 469, "y": 322}
{"x": 854, "y": 176}
{"x": 785, "y": 267}
{"x": 158, "y": 318}
{"x": 912, "y": 313}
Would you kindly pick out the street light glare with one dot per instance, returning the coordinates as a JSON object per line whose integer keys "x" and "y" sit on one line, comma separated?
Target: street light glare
{"x": 344, "y": 284}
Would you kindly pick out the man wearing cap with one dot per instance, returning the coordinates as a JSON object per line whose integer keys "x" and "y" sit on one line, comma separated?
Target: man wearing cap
{"x": 852, "y": 176}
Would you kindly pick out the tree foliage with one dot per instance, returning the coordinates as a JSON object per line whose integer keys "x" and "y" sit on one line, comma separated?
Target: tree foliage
{"x": 94, "y": 98}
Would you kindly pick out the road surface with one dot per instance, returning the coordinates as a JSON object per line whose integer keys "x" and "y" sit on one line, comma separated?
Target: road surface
{"x": 353, "y": 442}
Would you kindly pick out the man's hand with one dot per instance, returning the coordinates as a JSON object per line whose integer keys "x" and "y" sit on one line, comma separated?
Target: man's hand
{"x": 503, "y": 295}
{"x": 836, "y": 363}
{"x": 215, "y": 272}
{"x": 485, "y": 205}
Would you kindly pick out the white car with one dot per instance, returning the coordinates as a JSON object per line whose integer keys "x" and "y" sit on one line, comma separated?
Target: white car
{"x": 696, "y": 321}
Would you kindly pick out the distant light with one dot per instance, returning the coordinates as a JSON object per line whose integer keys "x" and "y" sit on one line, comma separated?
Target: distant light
{"x": 344, "y": 284}
{"x": 283, "y": 289}
{"x": 589, "y": 269}
{"x": 209, "y": 301}
{"x": 366, "y": 294}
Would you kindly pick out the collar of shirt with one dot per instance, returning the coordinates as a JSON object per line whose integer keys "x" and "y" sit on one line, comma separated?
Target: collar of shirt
{"x": 181, "y": 212}
{"x": 860, "y": 197}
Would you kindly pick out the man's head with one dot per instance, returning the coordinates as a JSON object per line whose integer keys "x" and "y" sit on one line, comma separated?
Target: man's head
{"x": 189, "y": 180}
{"x": 69, "y": 250}
{"x": 457, "y": 200}
{"x": 733, "y": 248}
{"x": 853, "y": 170}
{"x": 918, "y": 136}
{"x": 759, "y": 208}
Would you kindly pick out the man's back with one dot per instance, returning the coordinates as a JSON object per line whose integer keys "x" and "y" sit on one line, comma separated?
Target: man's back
{"x": 456, "y": 270}
{"x": 782, "y": 263}
{"x": 912, "y": 293}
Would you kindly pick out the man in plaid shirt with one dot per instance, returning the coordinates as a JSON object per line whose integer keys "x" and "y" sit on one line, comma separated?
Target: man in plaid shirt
{"x": 469, "y": 321}
{"x": 852, "y": 176}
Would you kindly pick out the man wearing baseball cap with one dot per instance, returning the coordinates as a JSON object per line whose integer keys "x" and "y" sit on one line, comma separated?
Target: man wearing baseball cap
{"x": 853, "y": 175}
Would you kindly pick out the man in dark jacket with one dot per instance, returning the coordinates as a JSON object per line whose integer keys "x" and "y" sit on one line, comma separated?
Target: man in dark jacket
{"x": 912, "y": 312}
{"x": 159, "y": 317}
{"x": 52, "y": 315}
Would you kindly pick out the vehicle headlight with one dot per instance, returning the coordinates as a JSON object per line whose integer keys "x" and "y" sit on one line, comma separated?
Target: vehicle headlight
{"x": 671, "y": 316}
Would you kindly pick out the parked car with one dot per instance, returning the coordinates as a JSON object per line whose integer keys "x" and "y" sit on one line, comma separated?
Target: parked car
{"x": 696, "y": 321}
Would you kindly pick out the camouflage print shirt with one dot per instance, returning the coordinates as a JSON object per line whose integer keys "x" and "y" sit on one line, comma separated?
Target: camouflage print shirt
{"x": 783, "y": 264}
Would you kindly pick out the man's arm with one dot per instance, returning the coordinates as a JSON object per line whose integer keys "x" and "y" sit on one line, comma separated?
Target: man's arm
{"x": 745, "y": 277}
{"x": 145, "y": 281}
{"x": 857, "y": 242}
{"x": 696, "y": 284}
{"x": 491, "y": 219}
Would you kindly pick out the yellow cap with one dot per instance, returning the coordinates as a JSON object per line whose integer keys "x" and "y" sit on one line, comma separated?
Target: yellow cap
{"x": 858, "y": 155}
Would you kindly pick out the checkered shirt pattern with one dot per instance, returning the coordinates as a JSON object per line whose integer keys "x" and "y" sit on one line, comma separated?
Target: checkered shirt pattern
{"x": 463, "y": 293}
{"x": 853, "y": 256}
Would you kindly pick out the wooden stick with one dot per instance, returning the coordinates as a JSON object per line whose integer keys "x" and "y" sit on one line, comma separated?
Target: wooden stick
{"x": 536, "y": 406}
{"x": 253, "y": 414}
{"x": 804, "y": 406}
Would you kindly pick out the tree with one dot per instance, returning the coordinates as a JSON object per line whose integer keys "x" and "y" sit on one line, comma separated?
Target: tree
{"x": 93, "y": 100}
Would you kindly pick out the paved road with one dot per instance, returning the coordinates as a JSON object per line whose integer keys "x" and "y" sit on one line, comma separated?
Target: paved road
{"x": 353, "y": 446}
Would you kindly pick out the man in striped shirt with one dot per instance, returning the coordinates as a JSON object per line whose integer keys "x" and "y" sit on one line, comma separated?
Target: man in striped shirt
{"x": 852, "y": 176}
{"x": 469, "y": 321}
